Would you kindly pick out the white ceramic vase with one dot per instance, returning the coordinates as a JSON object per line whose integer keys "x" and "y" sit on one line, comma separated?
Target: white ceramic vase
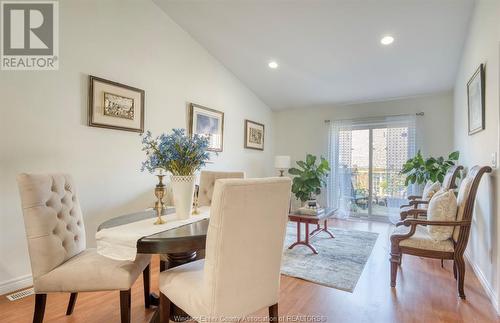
{"x": 183, "y": 191}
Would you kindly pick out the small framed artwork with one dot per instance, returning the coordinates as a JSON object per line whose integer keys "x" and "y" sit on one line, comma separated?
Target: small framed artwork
{"x": 115, "y": 106}
{"x": 207, "y": 122}
{"x": 254, "y": 135}
{"x": 475, "y": 101}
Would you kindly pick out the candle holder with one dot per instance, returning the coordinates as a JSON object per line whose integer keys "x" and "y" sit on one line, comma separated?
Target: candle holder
{"x": 196, "y": 203}
{"x": 160, "y": 191}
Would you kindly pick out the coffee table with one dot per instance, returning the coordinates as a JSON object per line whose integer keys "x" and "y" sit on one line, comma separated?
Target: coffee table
{"x": 311, "y": 219}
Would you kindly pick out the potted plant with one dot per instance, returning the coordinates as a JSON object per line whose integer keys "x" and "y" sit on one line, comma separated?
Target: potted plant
{"x": 182, "y": 156}
{"x": 309, "y": 178}
{"x": 418, "y": 170}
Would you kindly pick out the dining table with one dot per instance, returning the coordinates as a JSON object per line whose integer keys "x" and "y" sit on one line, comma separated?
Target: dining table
{"x": 180, "y": 245}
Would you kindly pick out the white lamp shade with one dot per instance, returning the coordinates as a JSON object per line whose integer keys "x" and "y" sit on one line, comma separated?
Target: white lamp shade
{"x": 282, "y": 162}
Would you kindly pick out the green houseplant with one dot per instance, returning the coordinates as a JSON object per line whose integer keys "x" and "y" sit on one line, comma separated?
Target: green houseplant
{"x": 309, "y": 177}
{"x": 419, "y": 170}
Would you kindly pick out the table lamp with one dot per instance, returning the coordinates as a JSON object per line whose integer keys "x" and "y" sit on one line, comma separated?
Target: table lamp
{"x": 282, "y": 163}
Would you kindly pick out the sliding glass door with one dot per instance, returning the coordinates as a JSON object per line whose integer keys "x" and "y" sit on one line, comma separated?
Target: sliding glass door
{"x": 366, "y": 157}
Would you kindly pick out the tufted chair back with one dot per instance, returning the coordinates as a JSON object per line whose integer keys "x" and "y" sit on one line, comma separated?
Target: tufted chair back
{"x": 207, "y": 183}
{"x": 52, "y": 218}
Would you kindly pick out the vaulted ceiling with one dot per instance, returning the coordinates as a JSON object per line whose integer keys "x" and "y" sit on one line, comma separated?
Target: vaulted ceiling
{"x": 329, "y": 52}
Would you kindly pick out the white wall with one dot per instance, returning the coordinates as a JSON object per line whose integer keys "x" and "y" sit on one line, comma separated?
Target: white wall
{"x": 43, "y": 114}
{"x": 303, "y": 131}
{"x": 482, "y": 46}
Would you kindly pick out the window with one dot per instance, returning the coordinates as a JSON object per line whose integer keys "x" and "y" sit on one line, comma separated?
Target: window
{"x": 366, "y": 156}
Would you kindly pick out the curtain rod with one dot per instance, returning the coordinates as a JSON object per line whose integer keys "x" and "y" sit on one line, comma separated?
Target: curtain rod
{"x": 419, "y": 114}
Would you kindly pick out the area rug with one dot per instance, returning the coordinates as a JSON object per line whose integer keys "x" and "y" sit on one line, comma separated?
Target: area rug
{"x": 339, "y": 262}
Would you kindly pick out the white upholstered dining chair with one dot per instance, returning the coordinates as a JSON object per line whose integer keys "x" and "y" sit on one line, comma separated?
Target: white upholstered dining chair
{"x": 241, "y": 270}
{"x": 60, "y": 261}
{"x": 207, "y": 184}
{"x": 205, "y": 192}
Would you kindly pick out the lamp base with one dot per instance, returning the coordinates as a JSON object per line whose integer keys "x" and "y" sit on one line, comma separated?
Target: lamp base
{"x": 282, "y": 171}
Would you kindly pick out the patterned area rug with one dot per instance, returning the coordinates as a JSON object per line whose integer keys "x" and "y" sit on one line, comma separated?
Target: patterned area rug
{"x": 339, "y": 262}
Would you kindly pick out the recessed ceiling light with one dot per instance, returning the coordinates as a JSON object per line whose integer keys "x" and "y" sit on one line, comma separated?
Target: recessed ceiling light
{"x": 273, "y": 65}
{"x": 387, "y": 40}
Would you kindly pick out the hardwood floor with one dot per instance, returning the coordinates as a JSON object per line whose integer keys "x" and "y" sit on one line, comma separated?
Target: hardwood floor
{"x": 425, "y": 292}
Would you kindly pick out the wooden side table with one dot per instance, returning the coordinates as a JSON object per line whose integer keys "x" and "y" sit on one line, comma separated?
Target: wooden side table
{"x": 311, "y": 219}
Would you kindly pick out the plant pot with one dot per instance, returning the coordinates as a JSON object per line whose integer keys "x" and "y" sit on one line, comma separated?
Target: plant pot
{"x": 183, "y": 191}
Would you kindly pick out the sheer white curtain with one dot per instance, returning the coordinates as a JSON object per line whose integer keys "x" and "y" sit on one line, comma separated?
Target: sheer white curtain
{"x": 392, "y": 141}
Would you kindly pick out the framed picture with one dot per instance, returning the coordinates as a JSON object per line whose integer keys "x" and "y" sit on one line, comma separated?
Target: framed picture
{"x": 475, "y": 101}
{"x": 254, "y": 135}
{"x": 115, "y": 106}
{"x": 207, "y": 122}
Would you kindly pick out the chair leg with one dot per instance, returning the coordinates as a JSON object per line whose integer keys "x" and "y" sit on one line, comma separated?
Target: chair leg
{"x": 163, "y": 265}
{"x": 146, "y": 277}
{"x": 164, "y": 308}
{"x": 395, "y": 260}
{"x": 40, "y": 300}
{"x": 125, "y": 299}
{"x": 442, "y": 263}
{"x": 459, "y": 261}
{"x": 455, "y": 270}
{"x": 273, "y": 313}
{"x": 71, "y": 303}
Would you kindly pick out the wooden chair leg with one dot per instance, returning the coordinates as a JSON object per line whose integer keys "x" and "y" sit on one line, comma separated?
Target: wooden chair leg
{"x": 40, "y": 300}
{"x": 442, "y": 263}
{"x": 455, "y": 270}
{"x": 164, "y": 308}
{"x": 273, "y": 313}
{"x": 71, "y": 303}
{"x": 459, "y": 261}
{"x": 146, "y": 277}
{"x": 125, "y": 299}
{"x": 395, "y": 260}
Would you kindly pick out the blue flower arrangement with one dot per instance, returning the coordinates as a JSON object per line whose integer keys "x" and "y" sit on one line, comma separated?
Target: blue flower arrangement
{"x": 178, "y": 153}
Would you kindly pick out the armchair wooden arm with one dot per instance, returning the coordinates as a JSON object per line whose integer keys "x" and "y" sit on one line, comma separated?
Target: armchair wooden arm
{"x": 418, "y": 202}
{"x": 414, "y": 203}
{"x": 413, "y": 213}
{"x": 415, "y": 222}
{"x": 412, "y": 223}
{"x": 414, "y": 197}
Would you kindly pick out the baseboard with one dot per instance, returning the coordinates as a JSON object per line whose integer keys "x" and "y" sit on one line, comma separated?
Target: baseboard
{"x": 486, "y": 285}
{"x": 15, "y": 284}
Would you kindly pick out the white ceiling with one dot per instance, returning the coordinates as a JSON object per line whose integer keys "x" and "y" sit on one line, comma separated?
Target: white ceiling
{"x": 329, "y": 52}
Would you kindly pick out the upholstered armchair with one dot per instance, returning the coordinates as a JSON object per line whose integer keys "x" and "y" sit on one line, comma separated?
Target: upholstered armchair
{"x": 241, "y": 270}
{"x": 60, "y": 261}
{"x": 415, "y": 202}
{"x": 412, "y": 237}
{"x": 205, "y": 191}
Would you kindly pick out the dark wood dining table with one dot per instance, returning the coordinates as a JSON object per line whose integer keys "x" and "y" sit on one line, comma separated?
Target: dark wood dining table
{"x": 181, "y": 245}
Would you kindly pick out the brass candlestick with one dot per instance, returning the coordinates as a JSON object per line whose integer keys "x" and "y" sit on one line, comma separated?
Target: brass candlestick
{"x": 196, "y": 203}
{"x": 160, "y": 192}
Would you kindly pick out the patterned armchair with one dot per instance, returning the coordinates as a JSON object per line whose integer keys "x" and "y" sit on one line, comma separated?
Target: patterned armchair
{"x": 411, "y": 236}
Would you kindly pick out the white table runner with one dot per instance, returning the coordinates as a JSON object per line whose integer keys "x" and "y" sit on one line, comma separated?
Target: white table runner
{"x": 120, "y": 242}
